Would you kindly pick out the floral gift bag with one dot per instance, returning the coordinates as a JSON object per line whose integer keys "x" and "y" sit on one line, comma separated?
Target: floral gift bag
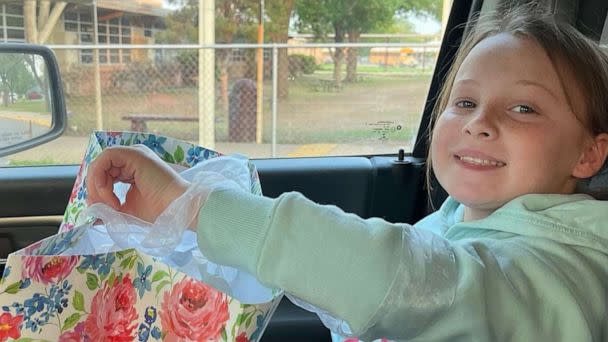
{"x": 79, "y": 286}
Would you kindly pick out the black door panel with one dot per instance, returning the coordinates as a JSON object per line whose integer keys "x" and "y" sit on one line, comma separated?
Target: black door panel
{"x": 35, "y": 191}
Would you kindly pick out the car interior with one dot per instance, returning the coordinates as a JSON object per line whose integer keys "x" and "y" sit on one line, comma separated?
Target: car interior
{"x": 392, "y": 187}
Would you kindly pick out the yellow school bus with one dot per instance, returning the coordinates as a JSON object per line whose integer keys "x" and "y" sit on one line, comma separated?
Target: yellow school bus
{"x": 392, "y": 56}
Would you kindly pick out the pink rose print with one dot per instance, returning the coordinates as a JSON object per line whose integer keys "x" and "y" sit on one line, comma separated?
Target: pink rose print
{"x": 242, "y": 338}
{"x": 66, "y": 227}
{"x": 48, "y": 269}
{"x": 113, "y": 316}
{"x": 193, "y": 311}
{"x": 77, "y": 335}
{"x": 9, "y": 326}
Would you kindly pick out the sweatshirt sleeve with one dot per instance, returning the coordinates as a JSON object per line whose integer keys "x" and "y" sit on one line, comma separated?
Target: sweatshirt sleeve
{"x": 336, "y": 261}
{"x": 400, "y": 282}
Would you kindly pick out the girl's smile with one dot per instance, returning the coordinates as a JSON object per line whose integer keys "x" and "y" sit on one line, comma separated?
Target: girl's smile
{"x": 476, "y": 160}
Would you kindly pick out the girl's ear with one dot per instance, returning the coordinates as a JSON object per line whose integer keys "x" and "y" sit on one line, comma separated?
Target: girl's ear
{"x": 593, "y": 157}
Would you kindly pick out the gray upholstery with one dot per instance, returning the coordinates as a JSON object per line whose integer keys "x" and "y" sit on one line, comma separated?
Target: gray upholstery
{"x": 596, "y": 186}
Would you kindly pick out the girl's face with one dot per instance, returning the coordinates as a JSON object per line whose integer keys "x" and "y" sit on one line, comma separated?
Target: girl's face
{"x": 508, "y": 129}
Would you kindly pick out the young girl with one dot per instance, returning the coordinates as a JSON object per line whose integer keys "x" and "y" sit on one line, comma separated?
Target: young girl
{"x": 513, "y": 254}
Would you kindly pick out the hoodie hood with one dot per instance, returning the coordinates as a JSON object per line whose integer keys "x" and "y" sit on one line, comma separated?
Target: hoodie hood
{"x": 576, "y": 219}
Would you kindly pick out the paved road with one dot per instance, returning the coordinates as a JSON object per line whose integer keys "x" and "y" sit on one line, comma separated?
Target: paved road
{"x": 13, "y": 131}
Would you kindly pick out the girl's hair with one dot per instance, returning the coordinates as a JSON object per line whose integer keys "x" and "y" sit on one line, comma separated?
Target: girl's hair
{"x": 581, "y": 65}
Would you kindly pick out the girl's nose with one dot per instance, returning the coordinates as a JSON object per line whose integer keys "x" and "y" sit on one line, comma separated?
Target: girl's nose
{"x": 481, "y": 124}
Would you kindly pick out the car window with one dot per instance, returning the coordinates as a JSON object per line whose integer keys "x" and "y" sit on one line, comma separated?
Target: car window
{"x": 326, "y": 80}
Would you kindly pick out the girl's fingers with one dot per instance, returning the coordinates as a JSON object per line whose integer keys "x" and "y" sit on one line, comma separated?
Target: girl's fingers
{"x": 107, "y": 169}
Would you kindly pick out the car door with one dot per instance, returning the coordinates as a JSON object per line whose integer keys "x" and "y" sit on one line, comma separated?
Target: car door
{"x": 390, "y": 185}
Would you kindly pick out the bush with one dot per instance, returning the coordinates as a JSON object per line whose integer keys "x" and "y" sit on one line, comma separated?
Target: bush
{"x": 301, "y": 65}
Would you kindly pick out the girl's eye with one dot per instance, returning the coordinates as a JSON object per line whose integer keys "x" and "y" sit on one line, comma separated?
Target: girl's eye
{"x": 465, "y": 104}
{"x": 523, "y": 109}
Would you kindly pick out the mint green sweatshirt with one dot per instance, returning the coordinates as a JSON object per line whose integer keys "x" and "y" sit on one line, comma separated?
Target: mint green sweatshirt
{"x": 534, "y": 270}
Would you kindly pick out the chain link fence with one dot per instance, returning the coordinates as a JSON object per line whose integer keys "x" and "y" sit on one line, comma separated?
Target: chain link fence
{"x": 300, "y": 100}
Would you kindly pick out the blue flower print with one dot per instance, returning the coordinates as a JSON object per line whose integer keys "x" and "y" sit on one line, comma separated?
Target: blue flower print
{"x": 25, "y": 283}
{"x": 82, "y": 192}
{"x": 35, "y": 304}
{"x": 104, "y": 268}
{"x": 142, "y": 283}
{"x": 7, "y": 271}
{"x": 150, "y": 314}
{"x": 143, "y": 333}
{"x": 91, "y": 261}
{"x": 156, "y": 333}
{"x": 88, "y": 157}
{"x": 194, "y": 155}
{"x": 58, "y": 244}
{"x": 112, "y": 140}
{"x": 156, "y": 144}
{"x": 40, "y": 309}
{"x": 99, "y": 263}
{"x": 197, "y": 154}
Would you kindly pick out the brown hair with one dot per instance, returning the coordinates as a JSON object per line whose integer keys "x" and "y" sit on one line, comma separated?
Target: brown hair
{"x": 574, "y": 57}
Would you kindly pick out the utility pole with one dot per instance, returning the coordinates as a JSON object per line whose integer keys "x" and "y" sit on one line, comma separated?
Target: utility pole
{"x": 97, "y": 76}
{"x": 206, "y": 74}
{"x": 260, "y": 81}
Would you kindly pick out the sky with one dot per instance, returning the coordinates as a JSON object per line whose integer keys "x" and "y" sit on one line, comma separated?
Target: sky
{"x": 425, "y": 25}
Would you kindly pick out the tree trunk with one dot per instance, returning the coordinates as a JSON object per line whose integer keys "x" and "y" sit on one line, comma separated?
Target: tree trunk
{"x": 44, "y": 10}
{"x": 222, "y": 59}
{"x": 283, "y": 74}
{"x": 5, "y": 92}
{"x": 280, "y": 13}
{"x": 43, "y": 83}
{"x": 29, "y": 14}
{"x": 281, "y": 36}
{"x": 351, "y": 58}
{"x": 224, "y": 87}
{"x": 338, "y": 57}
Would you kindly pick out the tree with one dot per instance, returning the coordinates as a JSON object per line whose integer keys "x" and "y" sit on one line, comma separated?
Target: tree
{"x": 429, "y": 8}
{"x": 39, "y": 27}
{"x": 279, "y": 13}
{"x": 366, "y": 16}
{"x": 15, "y": 78}
{"x": 351, "y": 18}
{"x": 234, "y": 20}
{"x": 323, "y": 17}
{"x": 181, "y": 24}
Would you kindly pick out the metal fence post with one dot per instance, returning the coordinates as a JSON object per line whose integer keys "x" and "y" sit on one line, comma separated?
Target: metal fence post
{"x": 275, "y": 78}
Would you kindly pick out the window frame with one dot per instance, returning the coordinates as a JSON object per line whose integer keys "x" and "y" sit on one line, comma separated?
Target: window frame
{"x": 106, "y": 31}
{"x": 5, "y": 28}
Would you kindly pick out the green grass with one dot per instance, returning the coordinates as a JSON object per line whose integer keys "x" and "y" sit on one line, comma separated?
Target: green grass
{"x": 306, "y": 116}
{"x": 342, "y": 136}
{"x": 36, "y": 106}
{"x": 379, "y": 69}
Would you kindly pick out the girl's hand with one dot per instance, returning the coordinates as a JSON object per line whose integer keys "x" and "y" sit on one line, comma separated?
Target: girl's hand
{"x": 154, "y": 184}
